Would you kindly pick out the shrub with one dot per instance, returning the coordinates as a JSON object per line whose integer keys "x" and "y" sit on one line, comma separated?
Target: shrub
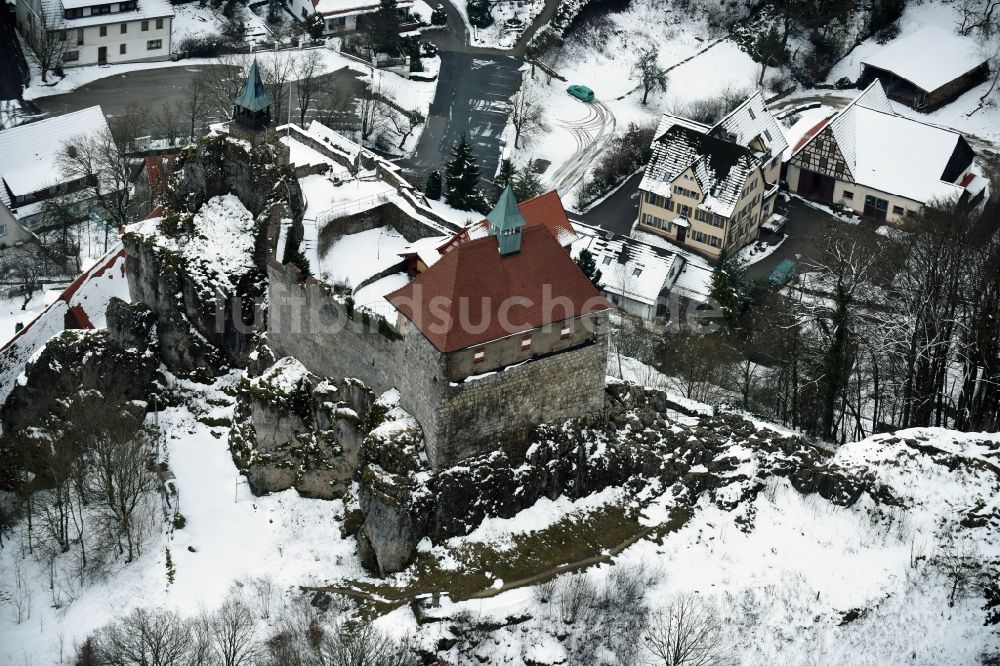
{"x": 624, "y": 154}
{"x": 205, "y": 46}
{"x": 315, "y": 26}
{"x": 432, "y": 188}
{"x": 479, "y": 13}
{"x": 710, "y": 110}
{"x": 439, "y": 16}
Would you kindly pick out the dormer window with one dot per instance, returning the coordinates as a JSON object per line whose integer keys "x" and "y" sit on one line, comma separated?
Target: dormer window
{"x": 753, "y": 116}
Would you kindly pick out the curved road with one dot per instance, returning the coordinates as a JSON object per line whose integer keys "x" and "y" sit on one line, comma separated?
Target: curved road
{"x": 591, "y": 135}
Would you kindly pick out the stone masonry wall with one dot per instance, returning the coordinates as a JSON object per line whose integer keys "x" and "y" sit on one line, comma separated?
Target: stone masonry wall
{"x": 500, "y": 411}
{"x": 307, "y": 321}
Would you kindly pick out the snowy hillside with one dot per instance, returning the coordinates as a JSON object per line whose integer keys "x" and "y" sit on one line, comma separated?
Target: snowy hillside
{"x": 791, "y": 577}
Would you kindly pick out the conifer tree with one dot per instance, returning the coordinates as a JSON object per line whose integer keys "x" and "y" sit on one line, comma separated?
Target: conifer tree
{"x": 432, "y": 188}
{"x": 505, "y": 174}
{"x": 462, "y": 176}
{"x": 588, "y": 264}
{"x": 526, "y": 184}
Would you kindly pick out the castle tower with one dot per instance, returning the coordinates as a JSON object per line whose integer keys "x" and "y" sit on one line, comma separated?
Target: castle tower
{"x": 252, "y": 107}
{"x": 506, "y": 223}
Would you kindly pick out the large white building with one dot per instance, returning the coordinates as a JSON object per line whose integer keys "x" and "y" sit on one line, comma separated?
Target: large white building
{"x": 99, "y": 32}
{"x": 29, "y": 170}
{"x": 341, "y": 16}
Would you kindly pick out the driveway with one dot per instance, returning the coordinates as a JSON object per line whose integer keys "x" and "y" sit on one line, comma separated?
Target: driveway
{"x": 619, "y": 210}
{"x": 806, "y": 225}
{"x": 472, "y": 98}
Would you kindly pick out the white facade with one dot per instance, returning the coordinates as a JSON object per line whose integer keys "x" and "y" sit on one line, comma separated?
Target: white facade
{"x": 105, "y": 33}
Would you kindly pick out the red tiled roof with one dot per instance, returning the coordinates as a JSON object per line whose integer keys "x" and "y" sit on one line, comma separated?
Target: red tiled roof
{"x": 544, "y": 210}
{"x": 473, "y": 283}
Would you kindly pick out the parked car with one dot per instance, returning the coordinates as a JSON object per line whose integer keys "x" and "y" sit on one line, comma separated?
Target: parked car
{"x": 782, "y": 273}
{"x": 582, "y": 93}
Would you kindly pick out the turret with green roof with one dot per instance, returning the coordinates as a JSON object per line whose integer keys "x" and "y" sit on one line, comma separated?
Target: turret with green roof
{"x": 506, "y": 222}
{"x": 252, "y": 107}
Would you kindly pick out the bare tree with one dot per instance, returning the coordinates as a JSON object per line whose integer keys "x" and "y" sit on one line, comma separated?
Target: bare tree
{"x": 101, "y": 160}
{"x": 982, "y": 16}
{"x": 232, "y": 630}
{"x": 223, "y": 81}
{"x": 48, "y": 41}
{"x": 154, "y": 637}
{"x": 372, "y": 111}
{"x": 308, "y": 82}
{"x": 525, "y": 114}
{"x": 168, "y": 121}
{"x": 23, "y": 269}
{"x": 364, "y": 645}
{"x": 277, "y": 73}
{"x": 648, "y": 69}
{"x": 406, "y": 123}
{"x": 685, "y": 633}
{"x": 195, "y": 104}
{"x": 961, "y": 566}
{"x": 122, "y": 480}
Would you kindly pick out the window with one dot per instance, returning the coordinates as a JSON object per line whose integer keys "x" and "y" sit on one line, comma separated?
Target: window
{"x": 718, "y": 221}
{"x": 768, "y": 135}
{"x": 526, "y": 343}
{"x": 304, "y": 13}
{"x": 714, "y": 241}
{"x": 698, "y": 236}
{"x": 71, "y": 56}
{"x": 159, "y": 24}
{"x": 898, "y": 210}
{"x": 684, "y": 210}
{"x": 753, "y": 116}
{"x": 62, "y": 35}
{"x": 636, "y": 272}
{"x": 74, "y": 13}
{"x": 121, "y": 49}
{"x": 154, "y": 44}
{"x": 479, "y": 356}
{"x": 124, "y": 28}
{"x": 701, "y": 215}
{"x": 878, "y": 204}
{"x": 100, "y": 9}
{"x": 126, "y": 6}
{"x": 849, "y": 195}
{"x": 607, "y": 260}
{"x": 104, "y": 31}
{"x": 3, "y": 229}
{"x": 565, "y": 332}
{"x": 145, "y": 26}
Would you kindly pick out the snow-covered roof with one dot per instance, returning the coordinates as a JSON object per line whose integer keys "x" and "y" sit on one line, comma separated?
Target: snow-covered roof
{"x": 669, "y": 120}
{"x": 749, "y": 122}
{"x": 721, "y": 167}
{"x": 895, "y": 154}
{"x": 629, "y": 267}
{"x": 338, "y": 142}
{"x": 929, "y": 58}
{"x": 146, "y": 9}
{"x": 340, "y": 7}
{"x": 28, "y": 152}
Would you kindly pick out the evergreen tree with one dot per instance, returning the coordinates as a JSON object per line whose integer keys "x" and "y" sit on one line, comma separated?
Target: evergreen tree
{"x": 505, "y": 173}
{"x": 439, "y": 16}
{"x": 432, "y": 188}
{"x": 462, "y": 177}
{"x": 588, "y": 264}
{"x": 526, "y": 184}
{"x": 731, "y": 288}
{"x": 385, "y": 28}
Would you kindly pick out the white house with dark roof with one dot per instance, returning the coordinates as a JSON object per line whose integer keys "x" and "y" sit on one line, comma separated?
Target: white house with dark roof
{"x": 927, "y": 68}
{"x": 97, "y": 32}
{"x": 709, "y": 188}
{"x": 29, "y": 172}
{"x": 882, "y": 165}
{"x": 341, "y": 16}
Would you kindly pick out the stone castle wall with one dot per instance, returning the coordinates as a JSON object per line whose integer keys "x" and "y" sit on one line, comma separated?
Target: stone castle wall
{"x": 501, "y": 410}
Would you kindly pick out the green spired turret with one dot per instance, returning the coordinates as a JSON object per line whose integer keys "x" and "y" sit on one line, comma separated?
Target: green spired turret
{"x": 506, "y": 222}
{"x": 252, "y": 107}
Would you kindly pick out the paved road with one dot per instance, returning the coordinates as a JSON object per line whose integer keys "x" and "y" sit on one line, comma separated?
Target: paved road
{"x": 168, "y": 85}
{"x": 618, "y": 211}
{"x": 472, "y": 98}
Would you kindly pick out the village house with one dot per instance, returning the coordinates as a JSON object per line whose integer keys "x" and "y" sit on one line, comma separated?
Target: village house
{"x": 12, "y": 232}
{"x": 341, "y": 16}
{"x": 99, "y": 33}
{"x": 709, "y": 188}
{"x": 928, "y": 68}
{"x": 29, "y": 169}
{"x": 880, "y": 164}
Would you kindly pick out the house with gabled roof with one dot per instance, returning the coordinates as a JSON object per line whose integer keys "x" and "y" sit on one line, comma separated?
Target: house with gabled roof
{"x": 341, "y": 16}
{"x": 927, "y": 68}
{"x": 709, "y": 188}
{"x": 29, "y": 169}
{"x": 882, "y": 165}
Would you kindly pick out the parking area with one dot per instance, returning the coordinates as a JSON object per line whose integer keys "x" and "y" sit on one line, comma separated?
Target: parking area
{"x": 805, "y": 226}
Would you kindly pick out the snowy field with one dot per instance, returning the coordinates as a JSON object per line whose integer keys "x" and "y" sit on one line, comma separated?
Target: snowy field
{"x": 353, "y": 258}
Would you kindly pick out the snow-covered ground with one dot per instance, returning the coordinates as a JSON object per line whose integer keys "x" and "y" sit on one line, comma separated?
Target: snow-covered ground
{"x": 193, "y": 20}
{"x": 353, "y": 258}
{"x": 510, "y": 20}
{"x": 602, "y": 56}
